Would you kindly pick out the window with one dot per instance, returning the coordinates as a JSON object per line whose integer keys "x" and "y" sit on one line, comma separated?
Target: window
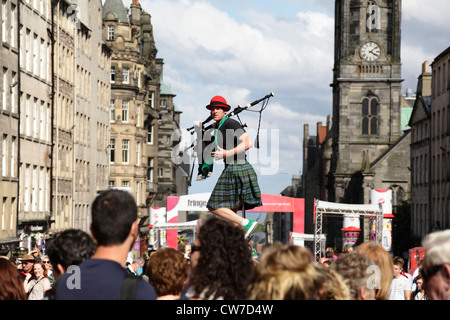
{"x": 113, "y": 74}
{"x": 150, "y": 169}
{"x": 35, "y": 54}
{"x": 41, "y": 189}
{"x": 125, "y": 151}
{"x": 4, "y": 33}
{"x": 163, "y": 103}
{"x": 150, "y": 134}
{"x": 160, "y": 173}
{"x": 41, "y": 59}
{"x": 138, "y": 153}
{"x": 125, "y": 184}
{"x": 27, "y": 181}
{"x": 27, "y": 50}
{"x": 112, "y": 108}
{"x": 112, "y": 147}
{"x": 125, "y": 75}
{"x": 4, "y": 213}
{"x": 138, "y": 193}
{"x": 4, "y": 155}
{"x": 125, "y": 107}
{"x": 138, "y": 75}
{"x": 27, "y": 116}
{"x": 150, "y": 99}
{"x": 111, "y": 183}
{"x": 4, "y": 88}
{"x": 110, "y": 32}
{"x": 35, "y": 130}
{"x": 13, "y": 157}
{"x": 34, "y": 184}
{"x": 138, "y": 116}
{"x": 41, "y": 120}
{"x": 13, "y": 91}
{"x": 370, "y": 115}
{"x": 13, "y": 25}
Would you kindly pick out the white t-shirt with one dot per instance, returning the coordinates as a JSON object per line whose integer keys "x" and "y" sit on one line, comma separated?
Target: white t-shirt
{"x": 398, "y": 288}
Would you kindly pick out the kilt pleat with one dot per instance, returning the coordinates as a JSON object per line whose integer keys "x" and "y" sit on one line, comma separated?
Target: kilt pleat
{"x": 237, "y": 182}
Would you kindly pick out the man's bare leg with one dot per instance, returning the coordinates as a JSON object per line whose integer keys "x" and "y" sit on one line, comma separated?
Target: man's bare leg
{"x": 229, "y": 215}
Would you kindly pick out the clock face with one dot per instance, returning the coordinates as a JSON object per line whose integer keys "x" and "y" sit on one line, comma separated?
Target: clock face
{"x": 370, "y": 51}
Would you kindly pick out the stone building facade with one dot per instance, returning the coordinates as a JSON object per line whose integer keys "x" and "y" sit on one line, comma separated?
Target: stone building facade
{"x": 143, "y": 116}
{"x": 9, "y": 122}
{"x": 430, "y": 149}
{"x": 91, "y": 113}
{"x": 35, "y": 105}
{"x": 58, "y": 105}
{"x": 440, "y": 142}
{"x": 420, "y": 124}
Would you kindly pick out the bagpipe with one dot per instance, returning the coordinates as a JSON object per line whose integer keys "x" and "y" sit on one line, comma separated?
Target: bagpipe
{"x": 204, "y": 143}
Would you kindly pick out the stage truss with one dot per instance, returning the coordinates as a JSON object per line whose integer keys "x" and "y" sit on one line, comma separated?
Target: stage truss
{"x": 324, "y": 208}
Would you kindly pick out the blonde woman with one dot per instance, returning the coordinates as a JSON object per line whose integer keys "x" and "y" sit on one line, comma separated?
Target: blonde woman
{"x": 36, "y": 288}
{"x": 375, "y": 252}
{"x": 286, "y": 272}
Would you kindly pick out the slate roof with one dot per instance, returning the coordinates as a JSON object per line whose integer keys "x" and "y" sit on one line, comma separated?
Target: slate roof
{"x": 117, "y": 7}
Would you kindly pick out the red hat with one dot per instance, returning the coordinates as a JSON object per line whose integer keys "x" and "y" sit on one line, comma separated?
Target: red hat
{"x": 218, "y": 101}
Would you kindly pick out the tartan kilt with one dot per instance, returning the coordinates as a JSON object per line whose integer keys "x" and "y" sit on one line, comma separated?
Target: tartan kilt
{"x": 237, "y": 182}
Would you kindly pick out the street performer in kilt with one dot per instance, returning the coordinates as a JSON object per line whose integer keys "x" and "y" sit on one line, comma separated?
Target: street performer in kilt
{"x": 237, "y": 187}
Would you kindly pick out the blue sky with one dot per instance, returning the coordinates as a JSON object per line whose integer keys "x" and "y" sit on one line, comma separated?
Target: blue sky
{"x": 245, "y": 49}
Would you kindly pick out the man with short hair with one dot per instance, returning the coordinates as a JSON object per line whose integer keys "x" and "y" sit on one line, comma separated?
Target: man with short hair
{"x": 400, "y": 285}
{"x": 136, "y": 267}
{"x": 103, "y": 277}
{"x": 436, "y": 265}
{"x": 69, "y": 248}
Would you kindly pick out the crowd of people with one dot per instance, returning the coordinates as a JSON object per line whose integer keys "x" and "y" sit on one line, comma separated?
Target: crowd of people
{"x": 220, "y": 266}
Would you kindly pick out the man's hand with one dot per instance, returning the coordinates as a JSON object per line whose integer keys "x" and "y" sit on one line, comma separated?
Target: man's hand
{"x": 219, "y": 153}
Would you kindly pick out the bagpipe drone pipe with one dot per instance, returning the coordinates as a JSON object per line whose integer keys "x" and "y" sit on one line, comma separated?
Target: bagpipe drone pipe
{"x": 204, "y": 143}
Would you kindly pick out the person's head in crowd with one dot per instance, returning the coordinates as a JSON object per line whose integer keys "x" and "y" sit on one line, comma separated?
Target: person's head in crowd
{"x": 356, "y": 271}
{"x": 333, "y": 285}
{"x": 398, "y": 266}
{"x": 222, "y": 265}
{"x": 27, "y": 263}
{"x": 46, "y": 260}
{"x": 40, "y": 270}
{"x": 138, "y": 265}
{"x": 167, "y": 272}
{"x": 69, "y": 247}
{"x": 380, "y": 257}
{"x": 11, "y": 284}
{"x": 435, "y": 268}
{"x": 36, "y": 253}
{"x": 114, "y": 218}
{"x": 287, "y": 272}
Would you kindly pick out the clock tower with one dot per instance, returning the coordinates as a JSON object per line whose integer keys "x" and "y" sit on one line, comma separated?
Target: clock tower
{"x": 366, "y": 121}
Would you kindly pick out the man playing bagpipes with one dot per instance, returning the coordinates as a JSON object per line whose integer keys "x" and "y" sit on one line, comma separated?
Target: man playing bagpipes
{"x": 237, "y": 187}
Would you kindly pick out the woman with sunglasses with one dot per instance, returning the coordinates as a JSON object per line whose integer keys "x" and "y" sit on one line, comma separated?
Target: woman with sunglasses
{"x": 48, "y": 265}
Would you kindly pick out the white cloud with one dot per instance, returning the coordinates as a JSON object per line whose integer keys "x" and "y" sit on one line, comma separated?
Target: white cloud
{"x": 430, "y": 12}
